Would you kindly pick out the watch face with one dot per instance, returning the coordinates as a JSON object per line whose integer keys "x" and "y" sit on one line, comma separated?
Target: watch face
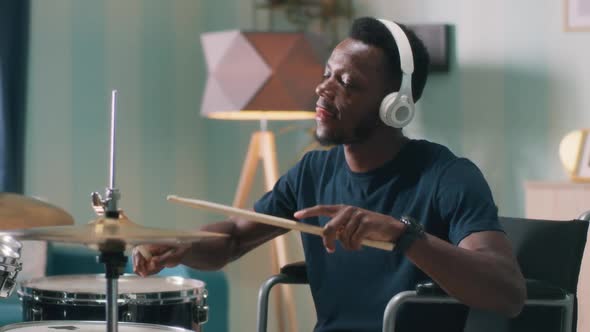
{"x": 412, "y": 224}
{"x": 407, "y": 220}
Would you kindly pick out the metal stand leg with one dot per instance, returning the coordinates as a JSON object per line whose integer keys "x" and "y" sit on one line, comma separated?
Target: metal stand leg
{"x": 114, "y": 261}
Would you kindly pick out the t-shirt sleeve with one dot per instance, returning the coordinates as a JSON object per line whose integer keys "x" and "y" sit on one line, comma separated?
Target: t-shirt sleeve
{"x": 465, "y": 201}
{"x": 281, "y": 201}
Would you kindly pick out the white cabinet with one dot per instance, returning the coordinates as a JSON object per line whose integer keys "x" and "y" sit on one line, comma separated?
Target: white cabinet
{"x": 564, "y": 201}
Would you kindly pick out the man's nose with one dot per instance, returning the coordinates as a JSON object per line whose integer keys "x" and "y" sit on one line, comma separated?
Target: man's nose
{"x": 323, "y": 90}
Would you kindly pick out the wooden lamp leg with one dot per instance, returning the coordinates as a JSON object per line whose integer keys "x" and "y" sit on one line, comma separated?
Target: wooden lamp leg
{"x": 248, "y": 171}
{"x": 268, "y": 154}
{"x": 262, "y": 146}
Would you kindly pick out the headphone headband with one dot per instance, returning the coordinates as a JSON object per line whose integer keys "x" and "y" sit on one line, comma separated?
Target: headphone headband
{"x": 403, "y": 46}
{"x": 397, "y": 108}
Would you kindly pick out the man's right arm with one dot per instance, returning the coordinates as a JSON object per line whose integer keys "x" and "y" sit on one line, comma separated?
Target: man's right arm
{"x": 208, "y": 253}
{"x": 215, "y": 253}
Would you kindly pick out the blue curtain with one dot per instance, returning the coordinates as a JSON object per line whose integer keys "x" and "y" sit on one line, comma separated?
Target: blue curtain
{"x": 14, "y": 32}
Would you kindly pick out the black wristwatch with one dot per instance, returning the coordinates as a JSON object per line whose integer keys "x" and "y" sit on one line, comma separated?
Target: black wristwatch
{"x": 413, "y": 231}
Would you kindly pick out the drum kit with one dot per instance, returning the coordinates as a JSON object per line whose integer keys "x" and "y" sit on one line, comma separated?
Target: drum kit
{"x": 96, "y": 302}
{"x": 90, "y": 303}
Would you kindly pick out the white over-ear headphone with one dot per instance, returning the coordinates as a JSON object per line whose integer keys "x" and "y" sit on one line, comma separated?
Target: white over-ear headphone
{"x": 397, "y": 108}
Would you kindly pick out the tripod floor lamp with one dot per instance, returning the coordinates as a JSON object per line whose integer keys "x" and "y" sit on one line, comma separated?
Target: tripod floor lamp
{"x": 263, "y": 76}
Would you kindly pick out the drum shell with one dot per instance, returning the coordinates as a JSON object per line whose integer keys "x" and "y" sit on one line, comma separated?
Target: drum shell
{"x": 88, "y": 326}
{"x": 186, "y": 309}
{"x": 179, "y": 315}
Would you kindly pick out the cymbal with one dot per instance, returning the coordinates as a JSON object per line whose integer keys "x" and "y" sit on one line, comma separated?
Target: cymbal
{"x": 104, "y": 230}
{"x": 22, "y": 212}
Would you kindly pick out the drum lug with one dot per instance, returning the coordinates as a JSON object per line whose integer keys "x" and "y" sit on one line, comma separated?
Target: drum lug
{"x": 201, "y": 310}
{"x": 127, "y": 317}
{"x": 10, "y": 264}
{"x": 36, "y": 313}
{"x": 7, "y": 285}
{"x": 201, "y": 314}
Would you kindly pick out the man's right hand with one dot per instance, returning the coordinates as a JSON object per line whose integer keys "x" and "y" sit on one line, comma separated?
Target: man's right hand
{"x": 161, "y": 256}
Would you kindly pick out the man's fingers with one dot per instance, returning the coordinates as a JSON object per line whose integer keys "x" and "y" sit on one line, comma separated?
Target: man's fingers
{"x": 317, "y": 211}
{"x": 345, "y": 224}
{"x": 173, "y": 256}
{"x": 144, "y": 251}
{"x": 158, "y": 250}
{"x": 336, "y": 225}
{"x": 153, "y": 267}
{"x": 151, "y": 259}
{"x": 168, "y": 259}
{"x": 146, "y": 267}
{"x": 358, "y": 236}
{"x": 346, "y": 236}
{"x": 138, "y": 262}
{"x": 330, "y": 246}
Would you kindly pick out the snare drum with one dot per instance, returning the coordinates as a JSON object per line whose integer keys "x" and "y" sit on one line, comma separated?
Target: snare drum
{"x": 85, "y": 327}
{"x": 170, "y": 301}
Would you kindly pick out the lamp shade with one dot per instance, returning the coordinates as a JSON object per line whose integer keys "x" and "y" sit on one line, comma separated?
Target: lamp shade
{"x": 261, "y": 75}
{"x": 574, "y": 152}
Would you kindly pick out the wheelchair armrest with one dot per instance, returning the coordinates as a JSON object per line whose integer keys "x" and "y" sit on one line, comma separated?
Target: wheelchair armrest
{"x": 540, "y": 290}
{"x": 428, "y": 292}
{"x": 429, "y": 288}
{"x": 536, "y": 290}
{"x": 296, "y": 273}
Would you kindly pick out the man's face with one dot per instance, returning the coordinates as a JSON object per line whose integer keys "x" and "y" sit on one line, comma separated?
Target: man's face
{"x": 347, "y": 110}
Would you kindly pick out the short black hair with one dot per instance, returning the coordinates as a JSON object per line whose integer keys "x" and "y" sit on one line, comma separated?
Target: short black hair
{"x": 372, "y": 32}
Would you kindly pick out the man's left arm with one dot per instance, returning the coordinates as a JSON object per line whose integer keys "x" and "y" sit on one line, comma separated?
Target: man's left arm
{"x": 480, "y": 272}
{"x": 478, "y": 267}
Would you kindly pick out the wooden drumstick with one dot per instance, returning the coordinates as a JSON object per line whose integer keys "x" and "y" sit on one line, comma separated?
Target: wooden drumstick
{"x": 266, "y": 219}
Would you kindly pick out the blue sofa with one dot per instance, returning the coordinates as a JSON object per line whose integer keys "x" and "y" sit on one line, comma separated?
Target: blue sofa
{"x": 69, "y": 259}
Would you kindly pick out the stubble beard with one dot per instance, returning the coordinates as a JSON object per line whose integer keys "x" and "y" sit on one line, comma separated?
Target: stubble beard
{"x": 360, "y": 133}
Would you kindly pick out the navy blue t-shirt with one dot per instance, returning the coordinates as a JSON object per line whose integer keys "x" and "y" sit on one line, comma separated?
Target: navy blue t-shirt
{"x": 446, "y": 194}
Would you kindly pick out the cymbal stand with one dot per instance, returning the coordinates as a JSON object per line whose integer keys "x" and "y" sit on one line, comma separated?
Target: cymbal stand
{"x": 110, "y": 203}
{"x": 113, "y": 257}
{"x": 112, "y": 252}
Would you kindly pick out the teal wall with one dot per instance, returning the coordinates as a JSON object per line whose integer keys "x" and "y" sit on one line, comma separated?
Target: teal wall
{"x": 517, "y": 85}
{"x": 150, "y": 52}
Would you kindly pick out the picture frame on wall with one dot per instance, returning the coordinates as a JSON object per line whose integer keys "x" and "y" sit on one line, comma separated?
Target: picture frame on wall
{"x": 577, "y": 15}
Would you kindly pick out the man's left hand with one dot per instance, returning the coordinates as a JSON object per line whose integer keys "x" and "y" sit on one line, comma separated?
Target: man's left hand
{"x": 351, "y": 225}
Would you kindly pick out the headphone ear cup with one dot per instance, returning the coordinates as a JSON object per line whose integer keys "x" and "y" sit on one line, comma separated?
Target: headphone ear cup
{"x": 386, "y": 109}
{"x": 396, "y": 110}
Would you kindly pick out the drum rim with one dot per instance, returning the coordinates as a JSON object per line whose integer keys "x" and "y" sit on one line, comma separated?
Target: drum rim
{"x": 28, "y": 292}
{"x": 153, "y": 327}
